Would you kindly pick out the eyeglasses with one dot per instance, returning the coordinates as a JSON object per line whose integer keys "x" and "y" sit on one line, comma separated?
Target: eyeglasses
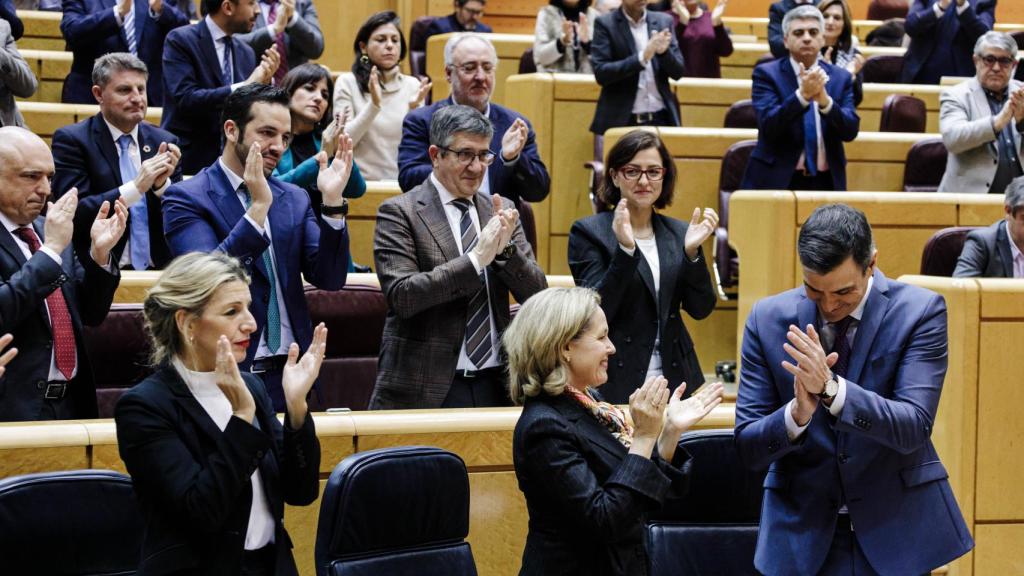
{"x": 632, "y": 173}
{"x": 1003, "y": 61}
{"x": 466, "y": 157}
{"x": 470, "y": 68}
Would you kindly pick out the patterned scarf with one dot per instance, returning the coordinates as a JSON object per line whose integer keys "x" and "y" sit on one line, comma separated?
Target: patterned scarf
{"x": 613, "y": 418}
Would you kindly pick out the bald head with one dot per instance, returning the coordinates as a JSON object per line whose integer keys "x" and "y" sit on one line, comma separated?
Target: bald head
{"x": 26, "y": 167}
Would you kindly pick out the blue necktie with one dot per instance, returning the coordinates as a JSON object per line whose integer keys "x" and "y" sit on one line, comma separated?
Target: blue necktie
{"x": 129, "y": 31}
{"x": 810, "y": 141}
{"x": 139, "y": 212}
{"x": 273, "y": 311}
{"x": 227, "y": 65}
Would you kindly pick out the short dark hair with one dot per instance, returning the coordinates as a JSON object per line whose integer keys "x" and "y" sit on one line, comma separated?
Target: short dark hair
{"x": 623, "y": 152}
{"x": 238, "y": 105}
{"x": 833, "y": 233}
{"x": 311, "y": 74}
{"x": 448, "y": 121}
{"x": 213, "y": 6}
{"x": 462, "y": 3}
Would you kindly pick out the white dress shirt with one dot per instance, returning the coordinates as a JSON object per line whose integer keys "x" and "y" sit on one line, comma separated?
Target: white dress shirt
{"x": 647, "y": 97}
{"x": 822, "y": 164}
{"x": 203, "y": 386}
{"x": 454, "y": 214}
{"x": 218, "y": 36}
{"x": 649, "y": 248}
{"x": 1015, "y": 253}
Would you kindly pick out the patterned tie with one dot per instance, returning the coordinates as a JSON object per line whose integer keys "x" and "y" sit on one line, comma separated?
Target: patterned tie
{"x": 478, "y": 324}
{"x": 282, "y": 49}
{"x": 227, "y": 67}
{"x": 60, "y": 318}
{"x": 273, "y": 311}
{"x": 841, "y": 345}
{"x": 139, "y": 211}
{"x": 811, "y": 140}
{"x": 129, "y": 31}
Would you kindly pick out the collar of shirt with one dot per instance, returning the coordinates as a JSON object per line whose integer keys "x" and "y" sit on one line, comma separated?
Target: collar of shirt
{"x": 636, "y": 23}
{"x": 446, "y": 196}
{"x": 796, "y": 66}
{"x": 116, "y": 133}
{"x": 997, "y": 96}
{"x": 234, "y": 179}
{"x": 215, "y": 31}
{"x": 200, "y": 384}
{"x": 1015, "y": 252}
{"x": 9, "y": 225}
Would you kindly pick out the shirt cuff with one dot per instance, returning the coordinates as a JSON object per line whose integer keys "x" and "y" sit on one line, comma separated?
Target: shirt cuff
{"x": 938, "y": 11}
{"x": 840, "y": 400}
{"x": 800, "y": 97}
{"x": 828, "y": 108}
{"x": 511, "y": 162}
{"x": 117, "y": 16}
{"x": 56, "y": 257}
{"x": 629, "y": 251}
{"x": 258, "y": 227}
{"x": 130, "y": 193}
{"x": 961, "y": 9}
{"x": 153, "y": 15}
{"x": 476, "y": 263}
{"x": 640, "y": 57}
{"x": 794, "y": 430}
{"x": 336, "y": 223}
{"x": 237, "y": 85}
{"x": 167, "y": 184}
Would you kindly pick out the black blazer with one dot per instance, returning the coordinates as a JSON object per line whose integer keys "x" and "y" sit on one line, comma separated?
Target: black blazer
{"x": 586, "y": 495}
{"x": 628, "y": 299}
{"x": 193, "y": 480}
{"x": 85, "y": 156}
{"x": 986, "y": 253}
{"x": 24, "y": 285}
{"x": 617, "y": 69}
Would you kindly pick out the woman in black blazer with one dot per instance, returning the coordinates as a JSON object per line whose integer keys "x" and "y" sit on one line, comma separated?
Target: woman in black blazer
{"x": 211, "y": 465}
{"x": 646, "y": 267}
{"x": 590, "y": 474}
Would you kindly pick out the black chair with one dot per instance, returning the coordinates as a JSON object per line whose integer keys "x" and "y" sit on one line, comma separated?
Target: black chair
{"x": 1019, "y": 38}
{"x": 529, "y": 223}
{"x": 396, "y": 511}
{"x": 726, "y": 261}
{"x": 942, "y": 251}
{"x": 526, "y": 63}
{"x": 883, "y": 68}
{"x": 902, "y": 113}
{"x": 596, "y": 167}
{"x": 925, "y": 165}
{"x": 77, "y": 523}
{"x": 741, "y": 115}
{"x": 713, "y": 529}
{"x": 886, "y": 9}
{"x": 418, "y": 45}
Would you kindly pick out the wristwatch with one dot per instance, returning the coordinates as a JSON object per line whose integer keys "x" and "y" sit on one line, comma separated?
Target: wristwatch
{"x": 335, "y": 210}
{"x": 507, "y": 252}
{"x": 830, "y": 389}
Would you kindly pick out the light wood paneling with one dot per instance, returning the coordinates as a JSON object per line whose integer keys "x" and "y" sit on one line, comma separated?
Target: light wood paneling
{"x": 998, "y": 549}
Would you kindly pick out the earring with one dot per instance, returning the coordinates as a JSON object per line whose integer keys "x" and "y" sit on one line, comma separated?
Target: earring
{"x": 364, "y": 59}
{"x": 568, "y": 359}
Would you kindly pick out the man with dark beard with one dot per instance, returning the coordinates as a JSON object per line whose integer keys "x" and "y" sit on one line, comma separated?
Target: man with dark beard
{"x": 236, "y": 207}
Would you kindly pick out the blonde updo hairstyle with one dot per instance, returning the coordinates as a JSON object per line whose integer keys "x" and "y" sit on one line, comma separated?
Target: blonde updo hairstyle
{"x": 536, "y": 339}
{"x": 188, "y": 283}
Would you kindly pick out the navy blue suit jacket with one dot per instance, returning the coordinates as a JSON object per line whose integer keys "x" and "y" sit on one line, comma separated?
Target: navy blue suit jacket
{"x": 8, "y": 12}
{"x": 780, "y": 136}
{"x": 203, "y": 214}
{"x": 85, "y": 156}
{"x": 877, "y": 452}
{"x": 955, "y": 33}
{"x": 450, "y": 23}
{"x": 527, "y": 179}
{"x": 776, "y": 12}
{"x": 91, "y": 30}
{"x": 195, "y": 91}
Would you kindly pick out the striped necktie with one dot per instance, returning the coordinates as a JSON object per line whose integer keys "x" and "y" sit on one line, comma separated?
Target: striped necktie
{"x": 129, "y": 31}
{"x": 273, "y": 310}
{"x": 478, "y": 317}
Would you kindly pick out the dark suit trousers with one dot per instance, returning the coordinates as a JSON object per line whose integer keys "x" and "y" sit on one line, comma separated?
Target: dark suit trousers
{"x": 488, "y": 389}
{"x": 660, "y": 118}
{"x": 821, "y": 181}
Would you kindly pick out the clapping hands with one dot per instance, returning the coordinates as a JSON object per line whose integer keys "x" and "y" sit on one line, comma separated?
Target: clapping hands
{"x": 699, "y": 230}
{"x": 300, "y": 373}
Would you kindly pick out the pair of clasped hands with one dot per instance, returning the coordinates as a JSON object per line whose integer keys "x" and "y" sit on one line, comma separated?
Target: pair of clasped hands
{"x": 497, "y": 233}
{"x": 812, "y": 85}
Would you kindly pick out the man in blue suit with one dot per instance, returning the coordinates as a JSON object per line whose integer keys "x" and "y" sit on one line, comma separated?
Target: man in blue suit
{"x": 203, "y": 64}
{"x": 93, "y": 28}
{"x": 465, "y": 18}
{"x": 235, "y": 206}
{"x": 942, "y": 36}
{"x": 517, "y": 173}
{"x": 839, "y": 386}
{"x": 7, "y": 12}
{"x": 116, "y": 154}
{"x": 805, "y": 111}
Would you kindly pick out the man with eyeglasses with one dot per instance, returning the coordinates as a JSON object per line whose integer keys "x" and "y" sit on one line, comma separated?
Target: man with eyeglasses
{"x": 805, "y": 111}
{"x": 465, "y": 18}
{"x": 447, "y": 255}
{"x": 941, "y": 35}
{"x": 981, "y": 121}
{"x": 517, "y": 173}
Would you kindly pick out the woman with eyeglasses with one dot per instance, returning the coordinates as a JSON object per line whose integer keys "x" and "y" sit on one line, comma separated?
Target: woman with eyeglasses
{"x": 375, "y": 96}
{"x": 646, "y": 266}
{"x": 840, "y": 44}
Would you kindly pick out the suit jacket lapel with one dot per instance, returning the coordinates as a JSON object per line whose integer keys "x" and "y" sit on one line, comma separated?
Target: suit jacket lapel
{"x": 8, "y": 243}
{"x": 1003, "y": 250}
{"x": 189, "y": 404}
{"x": 669, "y": 260}
{"x": 141, "y": 17}
{"x": 224, "y": 198}
{"x": 209, "y": 52}
{"x": 874, "y": 311}
{"x": 588, "y": 427}
{"x": 432, "y": 214}
{"x": 281, "y": 233}
{"x": 625, "y": 35}
{"x": 108, "y": 148}
{"x": 983, "y": 109}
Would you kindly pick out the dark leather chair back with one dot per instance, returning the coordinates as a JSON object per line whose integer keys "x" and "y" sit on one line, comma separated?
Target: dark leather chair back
{"x": 596, "y": 166}
{"x": 354, "y": 317}
{"x": 526, "y": 63}
{"x": 119, "y": 352}
{"x": 884, "y": 68}
{"x": 1019, "y": 37}
{"x": 902, "y": 113}
{"x": 925, "y": 165}
{"x": 397, "y": 511}
{"x": 886, "y": 9}
{"x": 713, "y": 529}
{"x": 741, "y": 115}
{"x": 942, "y": 251}
{"x": 418, "y": 45}
{"x": 529, "y": 222}
{"x": 734, "y": 164}
{"x": 76, "y": 523}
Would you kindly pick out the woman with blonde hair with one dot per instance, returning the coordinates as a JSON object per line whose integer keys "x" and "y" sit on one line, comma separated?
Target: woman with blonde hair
{"x": 211, "y": 465}
{"x": 589, "y": 472}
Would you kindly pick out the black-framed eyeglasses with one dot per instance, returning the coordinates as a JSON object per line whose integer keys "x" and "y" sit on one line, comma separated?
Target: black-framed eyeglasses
{"x": 466, "y": 156}
{"x": 1003, "y": 61}
{"x": 633, "y": 173}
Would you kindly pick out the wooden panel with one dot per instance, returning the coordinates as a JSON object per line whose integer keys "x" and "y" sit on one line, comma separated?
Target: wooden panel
{"x": 301, "y": 522}
{"x": 1001, "y": 299}
{"x": 998, "y": 549}
{"x": 532, "y": 97}
{"x": 340, "y": 21}
{"x": 44, "y": 118}
{"x": 497, "y": 522}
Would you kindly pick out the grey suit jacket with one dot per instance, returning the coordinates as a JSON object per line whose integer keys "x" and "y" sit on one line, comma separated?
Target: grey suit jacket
{"x": 986, "y": 253}
{"x": 966, "y": 127}
{"x": 16, "y": 78}
{"x": 427, "y": 285}
{"x": 302, "y": 37}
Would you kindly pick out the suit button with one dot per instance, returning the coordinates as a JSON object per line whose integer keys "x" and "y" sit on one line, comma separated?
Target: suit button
{"x": 259, "y": 455}
{"x": 629, "y": 339}
{"x": 248, "y": 261}
{"x": 620, "y": 363}
{"x": 672, "y": 315}
{"x": 41, "y": 384}
{"x": 675, "y": 340}
{"x": 642, "y": 370}
{"x": 773, "y": 446}
{"x": 988, "y": 184}
{"x": 843, "y": 458}
{"x": 48, "y": 345}
{"x": 675, "y": 364}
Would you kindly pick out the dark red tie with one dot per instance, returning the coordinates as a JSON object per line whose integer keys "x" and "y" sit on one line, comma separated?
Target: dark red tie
{"x": 60, "y": 318}
{"x": 279, "y": 42}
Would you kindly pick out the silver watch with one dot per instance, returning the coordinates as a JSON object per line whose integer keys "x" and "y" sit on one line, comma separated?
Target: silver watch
{"x": 830, "y": 389}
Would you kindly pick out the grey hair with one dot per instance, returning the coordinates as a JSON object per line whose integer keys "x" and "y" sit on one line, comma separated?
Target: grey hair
{"x": 454, "y": 41}
{"x": 1014, "y": 198}
{"x": 457, "y": 118}
{"x": 804, "y": 12}
{"x": 109, "y": 64}
{"x": 1000, "y": 40}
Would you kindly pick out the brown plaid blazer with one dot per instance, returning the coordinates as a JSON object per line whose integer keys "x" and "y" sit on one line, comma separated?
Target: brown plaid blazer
{"x": 427, "y": 284}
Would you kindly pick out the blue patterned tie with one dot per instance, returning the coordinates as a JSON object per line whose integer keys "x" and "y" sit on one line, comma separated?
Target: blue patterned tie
{"x": 810, "y": 141}
{"x": 129, "y": 31}
{"x": 139, "y": 212}
{"x": 478, "y": 317}
{"x": 227, "y": 67}
{"x": 273, "y": 310}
